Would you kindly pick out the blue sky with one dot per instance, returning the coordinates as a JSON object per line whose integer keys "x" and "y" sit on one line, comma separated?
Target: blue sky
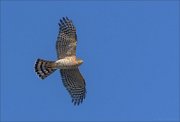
{"x": 130, "y": 52}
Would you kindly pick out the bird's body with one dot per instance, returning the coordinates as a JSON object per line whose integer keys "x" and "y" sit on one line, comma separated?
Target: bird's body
{"x": 67, "y": 62}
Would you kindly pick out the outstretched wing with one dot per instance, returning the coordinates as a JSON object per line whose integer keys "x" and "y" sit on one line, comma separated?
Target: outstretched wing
{"x": 67, "y": 39}
{"x": 75, "y": 84}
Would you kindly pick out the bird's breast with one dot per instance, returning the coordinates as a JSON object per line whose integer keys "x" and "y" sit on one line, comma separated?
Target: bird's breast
{"x": 66, "y": 64}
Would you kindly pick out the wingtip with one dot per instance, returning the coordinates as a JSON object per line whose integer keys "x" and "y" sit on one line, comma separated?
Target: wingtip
{"x": 76, "y": 102}
{"x": 64, "y": 18}
{"x": 67, "y": 18}
{"x": 61, "y": 21}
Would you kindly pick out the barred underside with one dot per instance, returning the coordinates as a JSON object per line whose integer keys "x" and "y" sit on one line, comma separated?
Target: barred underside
{"x": 44, "y": 68}
{"x": 67, "y": 63}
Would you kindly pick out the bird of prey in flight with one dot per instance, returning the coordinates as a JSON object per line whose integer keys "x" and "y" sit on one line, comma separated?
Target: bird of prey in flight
{"x": 66, "y": 62}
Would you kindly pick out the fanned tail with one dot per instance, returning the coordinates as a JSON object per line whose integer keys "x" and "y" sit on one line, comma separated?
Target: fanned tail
{"x": 44, "y": 68}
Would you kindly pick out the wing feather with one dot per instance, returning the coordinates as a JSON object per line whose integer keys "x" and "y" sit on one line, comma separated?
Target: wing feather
{"x": 67, "y": 39}
{"x": 75, "y": 84}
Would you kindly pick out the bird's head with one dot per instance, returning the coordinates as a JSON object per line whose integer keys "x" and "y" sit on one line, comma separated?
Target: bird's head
{"x": 79, "y": 61}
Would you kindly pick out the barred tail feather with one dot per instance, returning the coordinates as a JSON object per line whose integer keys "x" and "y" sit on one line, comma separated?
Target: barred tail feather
{"x": 44, "y": 68}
